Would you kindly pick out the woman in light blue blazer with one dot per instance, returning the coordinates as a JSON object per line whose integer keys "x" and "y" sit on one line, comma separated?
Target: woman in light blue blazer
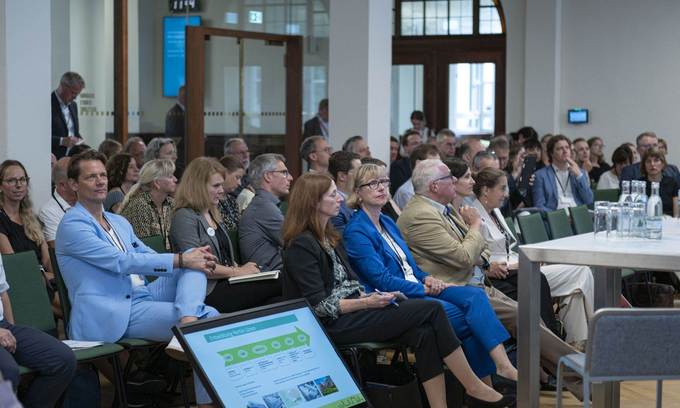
{"x": 379, "y": 255}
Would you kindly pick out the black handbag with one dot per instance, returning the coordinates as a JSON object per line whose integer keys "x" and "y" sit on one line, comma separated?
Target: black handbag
{"x": 393, "y": 385}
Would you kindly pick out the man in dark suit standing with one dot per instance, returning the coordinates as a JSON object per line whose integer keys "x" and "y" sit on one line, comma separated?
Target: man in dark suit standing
{"x": 175, "y": 130}
{"x": 65, "y": 129}
{"x": 318, "y": 125}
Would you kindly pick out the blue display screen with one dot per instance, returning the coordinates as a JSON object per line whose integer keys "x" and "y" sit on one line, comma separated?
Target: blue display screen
{"x": 577, "y": 116}
{"x": 174, "y": 52}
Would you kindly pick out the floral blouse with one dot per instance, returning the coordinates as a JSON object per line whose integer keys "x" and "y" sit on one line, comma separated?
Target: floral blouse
{"x": 343, "y": 288}
{"x": 230, "y": 213}
{"x": 145, "y": 219}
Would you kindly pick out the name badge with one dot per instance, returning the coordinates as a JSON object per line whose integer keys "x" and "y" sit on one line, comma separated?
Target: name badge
{"x": 211, "y": 231}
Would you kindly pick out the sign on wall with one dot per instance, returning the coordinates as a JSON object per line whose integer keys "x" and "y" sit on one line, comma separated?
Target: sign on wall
{"x": 174, "y": 52}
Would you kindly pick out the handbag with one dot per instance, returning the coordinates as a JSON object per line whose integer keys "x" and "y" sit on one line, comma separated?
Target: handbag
{"x": 393, "y": 385}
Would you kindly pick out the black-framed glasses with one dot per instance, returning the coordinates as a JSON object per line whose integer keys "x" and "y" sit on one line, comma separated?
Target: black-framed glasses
{"x": 448, "y": 176}
{"x": 15, "y": 181}
{"x": 284, "y": 173}
{"x": 374, "y": 184}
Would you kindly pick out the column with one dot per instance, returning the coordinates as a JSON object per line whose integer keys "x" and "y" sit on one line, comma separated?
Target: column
{"x": 25, "y": 86}
{"x": 360, "y": 66}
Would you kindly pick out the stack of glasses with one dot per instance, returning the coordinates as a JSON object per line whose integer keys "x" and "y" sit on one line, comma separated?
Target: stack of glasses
{"x": 634, "y": 215}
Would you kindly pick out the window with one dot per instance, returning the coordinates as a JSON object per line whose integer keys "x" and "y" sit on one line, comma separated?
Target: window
{"x": 471, "y": 98}
{"x": 448, "y": 17}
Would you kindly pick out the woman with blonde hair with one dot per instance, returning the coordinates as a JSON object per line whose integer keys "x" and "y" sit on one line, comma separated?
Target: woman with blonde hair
{"x": 197, "y": 222}
{"x": 149, "y": 203}
{"x": 316, "y": 268}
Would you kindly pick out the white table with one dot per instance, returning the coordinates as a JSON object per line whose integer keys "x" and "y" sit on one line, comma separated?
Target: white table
{"x": 605, "y": 256}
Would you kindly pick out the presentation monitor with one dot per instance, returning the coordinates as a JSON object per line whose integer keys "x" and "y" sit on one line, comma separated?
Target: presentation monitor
{"x": 577, "y": 116}
{"x": 272, "y": 356}
{"x": 174, "y": 51}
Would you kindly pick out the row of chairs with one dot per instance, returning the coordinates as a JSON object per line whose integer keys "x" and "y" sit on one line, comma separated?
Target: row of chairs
{"x": 532, "y": 227}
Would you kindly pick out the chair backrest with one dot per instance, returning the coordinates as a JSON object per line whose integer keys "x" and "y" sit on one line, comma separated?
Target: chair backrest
{"x": 558, "y": 222}
{"x": 533, "y": 228}
{"x": 27, "y": 292}
{"x": 611, "y": 195}
{"x": 64, "y": 300}
{"x": 583, "y": 221}
{"x": 634, "y": 343}
{"x": 233, "y": 236}
{"x": 155, "y": 242}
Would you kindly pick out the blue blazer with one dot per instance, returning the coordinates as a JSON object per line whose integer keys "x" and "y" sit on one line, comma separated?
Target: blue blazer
{"x": 374, "y": 261}
{"x": 545, "y": 188}
{"x": 97, "y": 273}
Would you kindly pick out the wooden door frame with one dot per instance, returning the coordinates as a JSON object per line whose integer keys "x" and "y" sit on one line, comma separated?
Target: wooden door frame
{"x": 196, "y": 38}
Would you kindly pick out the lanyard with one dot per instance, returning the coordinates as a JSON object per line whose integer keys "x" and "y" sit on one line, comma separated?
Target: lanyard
{"x": 58, "y": 203}
{"x": 566, "y": 185}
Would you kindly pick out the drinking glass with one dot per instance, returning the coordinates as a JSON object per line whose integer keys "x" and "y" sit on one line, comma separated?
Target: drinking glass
{"x": 600, "y": 218}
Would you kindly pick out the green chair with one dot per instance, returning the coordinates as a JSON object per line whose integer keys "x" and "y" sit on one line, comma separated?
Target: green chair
{"x": 611, "y": 195}
{"x": 32, "y": 307}
{"x": 513, "y": 227}
{"x": 583, "y": 221}
{"x": 533, "y": 228}
{"x": 155, "y": 242}
{"x": 559, "y": 224}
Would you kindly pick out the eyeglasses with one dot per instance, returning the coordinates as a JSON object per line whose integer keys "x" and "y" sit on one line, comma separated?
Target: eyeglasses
{"x": 284, "y": 173}
{"x": 448, "y": 176}
{"x": 649, "y": 146}
{"x": 328, "y": 150}
{"x": 374, "y": 184}
{"x": 17, "y": 181}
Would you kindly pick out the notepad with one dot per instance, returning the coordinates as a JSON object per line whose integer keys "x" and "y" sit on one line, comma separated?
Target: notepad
{"x": 254, "y": 277}
{"x": 79, "y": 345}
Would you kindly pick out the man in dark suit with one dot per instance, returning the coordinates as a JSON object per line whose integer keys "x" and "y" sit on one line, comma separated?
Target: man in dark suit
{"x": 647, "y": 141}
{"x": 400, "y": 170}
{"x": 65, "y": 128}
{"x": 174, "y": 128}
{"x": 318, "y": 125}
{"x": 342, "y": 166}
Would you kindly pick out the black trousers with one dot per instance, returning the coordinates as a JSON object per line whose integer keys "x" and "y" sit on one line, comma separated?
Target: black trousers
{"x": 509, "y": 288}
{"x": 227, "y": 298}
{"x": 421, "y": 324}
{"x": 54, "y": 362}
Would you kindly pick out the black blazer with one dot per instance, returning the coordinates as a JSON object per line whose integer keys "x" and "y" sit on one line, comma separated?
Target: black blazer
{"x": 312, "y": 128}
{"x": 59, "y": 128}
{"x": 308, "y": 269}
{"x": 400, "y": 172}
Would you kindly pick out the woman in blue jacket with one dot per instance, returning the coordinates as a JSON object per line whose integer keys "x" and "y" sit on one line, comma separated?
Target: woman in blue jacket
{"x": 381, "y": 258}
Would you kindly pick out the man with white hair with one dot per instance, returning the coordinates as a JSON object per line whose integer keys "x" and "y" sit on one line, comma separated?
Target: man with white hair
{"x": 239, "y": 148}
{"x": 65, "y": 128}
{"x": 457, "y": 255}
{"x": 446, "y": 142}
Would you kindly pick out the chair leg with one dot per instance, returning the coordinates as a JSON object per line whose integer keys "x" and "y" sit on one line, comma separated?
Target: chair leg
{"x": 559, "y": 384}
{"x": 586, "y": 391}
{"x": 659, "y": 393}
{"x": 121, "y": 395}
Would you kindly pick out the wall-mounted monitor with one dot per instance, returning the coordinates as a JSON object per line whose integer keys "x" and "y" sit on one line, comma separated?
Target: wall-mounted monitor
{"x": 174, "y": 51}
{"x": 577, "y": 116}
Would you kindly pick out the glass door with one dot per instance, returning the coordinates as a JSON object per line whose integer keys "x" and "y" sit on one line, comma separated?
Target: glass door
{"x": 472, "y": 90}
{"x": 407, "y": 95}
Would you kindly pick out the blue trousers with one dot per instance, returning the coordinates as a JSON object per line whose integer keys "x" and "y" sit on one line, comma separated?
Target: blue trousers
{"x": 158, "y": 306}
{"x": 475, "y": 324}
{"x": 54, "y": 362}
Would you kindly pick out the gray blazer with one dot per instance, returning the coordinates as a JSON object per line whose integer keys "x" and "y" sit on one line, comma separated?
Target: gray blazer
{"x": 260, "y": 231}
{"x": 189, "y": 229}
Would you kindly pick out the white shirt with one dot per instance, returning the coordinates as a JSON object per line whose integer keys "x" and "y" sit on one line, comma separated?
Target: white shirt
{"x": 405, "y": 267}
{"x": 51, "y": 214}
{"x": 134, "y": 278}
{"x": 404, "y": 194}
{"x": 4, "y": 287}
{"x": 565, "y": 197}
{"x": 608, "y": 181}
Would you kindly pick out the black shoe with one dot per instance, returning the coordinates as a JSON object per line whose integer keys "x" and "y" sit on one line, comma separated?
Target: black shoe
{"x": 504, "y": 385}
{"x": 137, "y": 400}
{"x": 143, "y": 382}
{"x": 551, "y": 385}
{"x": 473, "y": 402}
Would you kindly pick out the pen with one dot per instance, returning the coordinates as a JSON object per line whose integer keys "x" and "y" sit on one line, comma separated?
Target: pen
{"x": 393, "y": 301}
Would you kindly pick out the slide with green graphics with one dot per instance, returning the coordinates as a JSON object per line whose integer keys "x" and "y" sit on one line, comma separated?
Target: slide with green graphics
{"x": 283, "y": 360}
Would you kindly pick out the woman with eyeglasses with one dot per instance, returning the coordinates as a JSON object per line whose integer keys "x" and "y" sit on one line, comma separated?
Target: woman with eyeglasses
{"x": 19, "y": 227}
{"x": 572, "y": 285}
{"x": 381, "y": 258}
{"x": 316, "y": 268}
{"x": 197, "y": 222}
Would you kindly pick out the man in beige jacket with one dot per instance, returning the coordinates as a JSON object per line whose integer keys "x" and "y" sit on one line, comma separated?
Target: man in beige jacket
{"x": 448, "y": 245}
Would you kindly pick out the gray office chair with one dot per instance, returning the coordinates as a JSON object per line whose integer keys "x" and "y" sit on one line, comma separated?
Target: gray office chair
{"x": 625, "y": 345}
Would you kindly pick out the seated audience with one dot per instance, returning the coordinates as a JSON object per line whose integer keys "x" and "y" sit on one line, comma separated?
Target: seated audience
{"x": 447, "y": 243}
{"x": 260, "y": 226}
{"x": 101, "y": 259}
{"x": 391, "y": 209}
{"x": 663, "y": 146}
{"x": 149, "y": 204}
{"x": 239, "y": 148}
{"x": 394, "y": 149}
{"x": 582, "y": 156}
{"x": 342, "y": 166}
{"x": 233, "y": 174}
{"x": 633, "y": 151}
{"x": 53, "y": 362}
{"x": 571, "y": 284}
{"x": 123, "y": 173}
{"x": 533, "y": 147}
{"x": 562, "y": 184}
{"x": 621, "y": 158}
{"x": 315, "y": 151}
{"x": 357, "y": 144}
{"x": 419, "y": 123}
{"x": 500, "y": 148}
{"x": 19, "y": 227}
{"x": 381, "y": 259}
{"x": 110, "y": 148}
{"x": 161, "y": 148}
{"x": 446, "y": 143}
{"x": 136, "y": 148}
{"x": 600, "y": 166}
{"x": 197, "y": 222}
{"x": 316, "y": 268}
{"x": 647, "y": 141}
{"x": 654, "y": 163}
{"x": 524, "y": 134}
{"x": 63, "y": 198}
{"x": 483, "y": 160}
{"x": 400, "y": 170}
{"x": 420, "y": 153}
{"x": 318, "y": 125}
{"x": 469, "y": 148}
{"x": 77, "y": 149}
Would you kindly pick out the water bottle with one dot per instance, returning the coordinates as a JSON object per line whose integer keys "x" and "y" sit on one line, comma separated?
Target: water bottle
{"x": 626, "y": 201}
{"x": 638, "y": 227}
{"x": 654, "y": 214}
{"x": 625, "y": 197}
